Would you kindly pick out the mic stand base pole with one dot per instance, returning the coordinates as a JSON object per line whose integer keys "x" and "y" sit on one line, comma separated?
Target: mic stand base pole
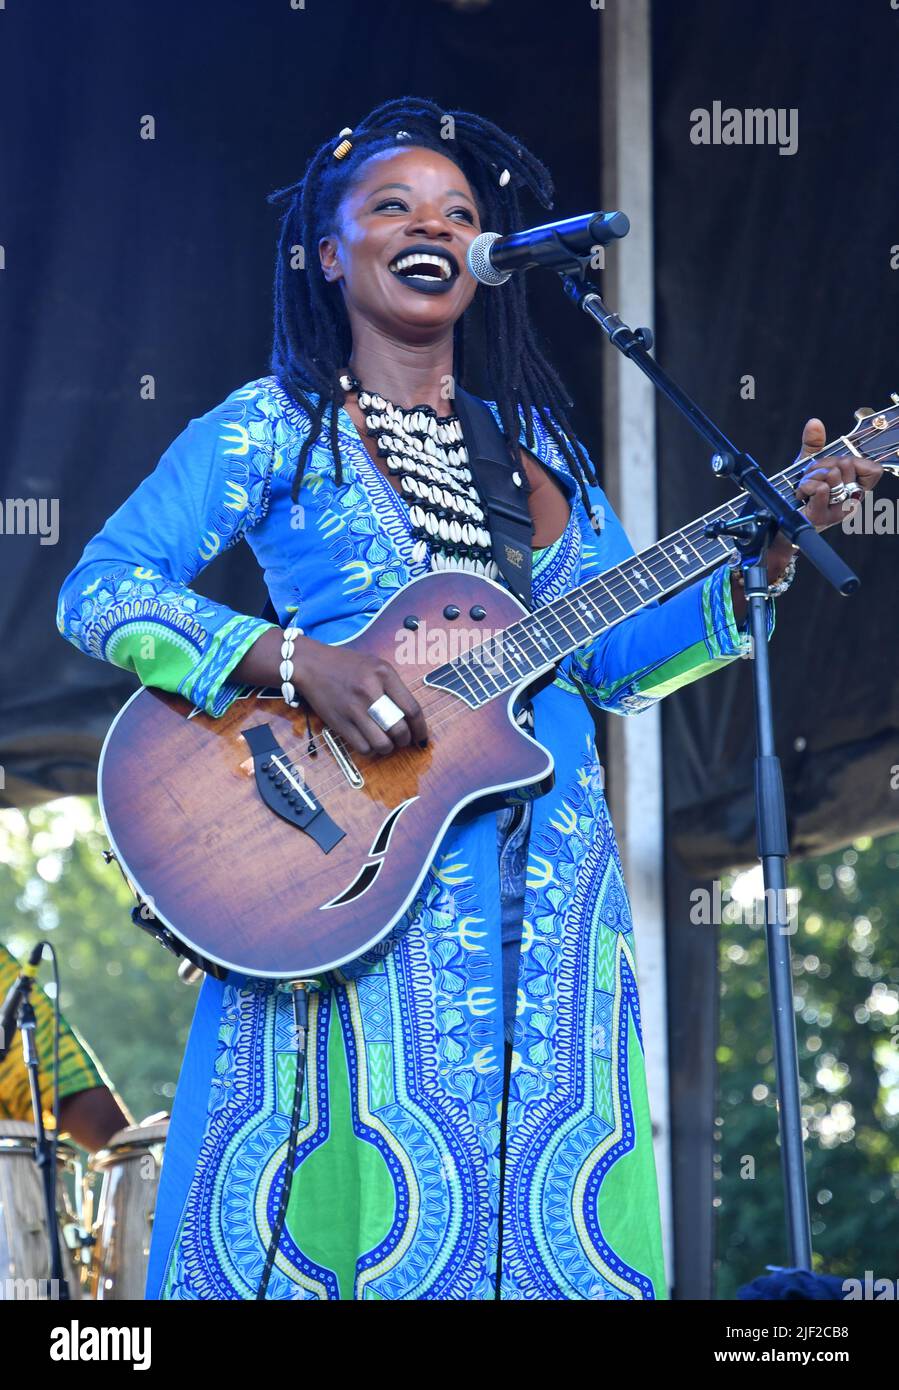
{"x": 44, "y": 1148}
{"x": 773, "y": 848}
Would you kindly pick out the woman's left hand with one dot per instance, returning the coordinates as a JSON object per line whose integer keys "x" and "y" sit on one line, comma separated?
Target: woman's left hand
{"x": 813, "y": 491}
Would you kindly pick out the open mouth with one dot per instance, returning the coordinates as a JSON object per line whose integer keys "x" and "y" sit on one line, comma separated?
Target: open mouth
{"x": 427, "y": 268}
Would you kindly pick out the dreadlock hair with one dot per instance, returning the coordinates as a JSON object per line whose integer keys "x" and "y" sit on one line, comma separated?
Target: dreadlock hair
{"x": 312, "y": 338}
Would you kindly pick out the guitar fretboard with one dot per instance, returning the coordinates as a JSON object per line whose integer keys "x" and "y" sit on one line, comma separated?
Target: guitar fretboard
{"x": 534, "y": 643}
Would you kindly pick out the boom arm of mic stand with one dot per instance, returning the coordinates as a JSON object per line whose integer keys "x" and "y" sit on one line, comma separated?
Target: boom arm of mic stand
{"x": 727, "y": 461}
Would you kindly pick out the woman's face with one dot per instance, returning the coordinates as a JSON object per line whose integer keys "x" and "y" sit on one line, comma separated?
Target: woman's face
{"x": 406, "y": 203}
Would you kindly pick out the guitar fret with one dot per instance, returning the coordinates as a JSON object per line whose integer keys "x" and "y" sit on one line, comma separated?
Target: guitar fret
{"x": 573, "y": 616}
{"x": 587, "y": 608}
{"x": 643, "y": 581}
{"x": 558, "y": 618}
{"x": 658, "y": 556}
{"x": 543, "y": 640}
{"x": 457, "y": 671}
{"x": 535, "y": 657}
{"x": 483, "y": 675}
{"x": 607, "y": 593}
{"x": 673, "y": 548}
{"x": 631, "y": 599}
{"x": 511, "y": 653}
{"x": 702, "y": 543}
{"x": 495, "y": 668}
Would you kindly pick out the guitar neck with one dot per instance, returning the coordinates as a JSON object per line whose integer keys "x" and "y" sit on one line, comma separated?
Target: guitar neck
{"x": 533, "y": 644}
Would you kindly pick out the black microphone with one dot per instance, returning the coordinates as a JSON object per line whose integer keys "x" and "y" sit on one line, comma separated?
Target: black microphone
{"x": 556, "y": 246}
{"x": 9, "y": 1012}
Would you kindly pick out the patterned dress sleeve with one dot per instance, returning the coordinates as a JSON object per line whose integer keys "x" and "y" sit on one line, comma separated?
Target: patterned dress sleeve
{"x": 665, "y": 645}
{"x": 128, "y": 599}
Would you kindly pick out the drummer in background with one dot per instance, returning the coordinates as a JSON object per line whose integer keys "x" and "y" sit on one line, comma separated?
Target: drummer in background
{"x": 88, "y": 1109}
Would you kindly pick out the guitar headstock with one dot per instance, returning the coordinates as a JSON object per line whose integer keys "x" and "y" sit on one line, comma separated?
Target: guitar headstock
{"x": 876, "y": 435}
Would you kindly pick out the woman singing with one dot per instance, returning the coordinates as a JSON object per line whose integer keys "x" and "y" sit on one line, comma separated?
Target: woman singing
{"x": 475, "y": 1121}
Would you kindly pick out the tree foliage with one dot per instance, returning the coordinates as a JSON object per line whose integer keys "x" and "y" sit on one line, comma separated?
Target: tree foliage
{"x": 845, "y": 951}
{"x": 118, "y": 987}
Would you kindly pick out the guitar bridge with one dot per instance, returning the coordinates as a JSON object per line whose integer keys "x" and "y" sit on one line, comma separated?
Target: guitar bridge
{"x": 284, "y": 791}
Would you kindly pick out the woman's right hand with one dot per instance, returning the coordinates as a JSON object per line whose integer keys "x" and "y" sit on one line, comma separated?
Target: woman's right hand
{"x": 341, "y": 684}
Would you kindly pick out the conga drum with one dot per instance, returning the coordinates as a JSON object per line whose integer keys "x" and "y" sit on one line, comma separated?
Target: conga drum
{"x": 129, "y": 1170}
{"x": 24, "y": 1247}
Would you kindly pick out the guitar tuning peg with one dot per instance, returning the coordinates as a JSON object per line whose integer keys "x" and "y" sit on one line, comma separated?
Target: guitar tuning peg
{"x": 894, "y": 398}
{"x": 865, "y": 410}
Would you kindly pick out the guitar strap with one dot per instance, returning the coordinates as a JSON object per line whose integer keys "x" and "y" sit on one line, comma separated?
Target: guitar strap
{"x": 508, "y": 516}
{"x": 504, "y": 491}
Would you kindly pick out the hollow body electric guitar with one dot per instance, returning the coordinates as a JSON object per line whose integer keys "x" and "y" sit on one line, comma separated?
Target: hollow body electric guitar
{"x": 262, "y": 843}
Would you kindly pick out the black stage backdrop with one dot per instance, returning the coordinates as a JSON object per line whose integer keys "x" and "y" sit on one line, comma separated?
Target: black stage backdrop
{"x": 126, "y": 258}
{"x": 779, "y": 267}
{"x": 776, "y": 267}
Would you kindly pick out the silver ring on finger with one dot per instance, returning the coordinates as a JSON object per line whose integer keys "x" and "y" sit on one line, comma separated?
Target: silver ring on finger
{"x": 838, "y": 494}
{"x": 853, "y": 490}
{"x": 386, "y": 713}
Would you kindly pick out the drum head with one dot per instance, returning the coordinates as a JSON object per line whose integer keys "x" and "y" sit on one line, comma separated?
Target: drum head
{"x": 17, "y": 1136}
{"x": 132, "y": 1141}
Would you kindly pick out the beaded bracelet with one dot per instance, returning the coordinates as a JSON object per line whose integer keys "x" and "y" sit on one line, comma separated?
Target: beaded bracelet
{"x": 786, "y": 579}
{"x": 287, "y": 687}
{"x": 774, "y": 590}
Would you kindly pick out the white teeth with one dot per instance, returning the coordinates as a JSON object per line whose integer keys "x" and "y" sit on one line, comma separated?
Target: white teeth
{"x": 423, "y": 258}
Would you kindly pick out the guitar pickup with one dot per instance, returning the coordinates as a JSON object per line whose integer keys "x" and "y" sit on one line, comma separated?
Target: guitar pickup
{"x": 285, "y": 792}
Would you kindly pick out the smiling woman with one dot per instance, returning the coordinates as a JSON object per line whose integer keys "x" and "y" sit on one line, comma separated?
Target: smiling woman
{"x": 474, "y": 1123}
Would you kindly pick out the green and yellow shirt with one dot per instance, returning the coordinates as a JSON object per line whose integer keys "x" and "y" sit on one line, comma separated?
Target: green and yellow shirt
{"x": 78, "y": 1070}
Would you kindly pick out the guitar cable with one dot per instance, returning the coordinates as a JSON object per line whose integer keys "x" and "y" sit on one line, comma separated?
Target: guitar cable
{"x": 504, "y": 1120}
{"x": 299, "y": 990}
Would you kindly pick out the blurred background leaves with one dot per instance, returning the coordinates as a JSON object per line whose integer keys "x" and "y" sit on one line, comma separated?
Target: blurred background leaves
{"x": 119, "y": 988}
{"x": 846, "y": 983}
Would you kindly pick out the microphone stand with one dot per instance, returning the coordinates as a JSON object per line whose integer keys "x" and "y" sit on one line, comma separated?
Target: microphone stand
{"x": 751, "y": 535}
{"x": 44, "y": 1147}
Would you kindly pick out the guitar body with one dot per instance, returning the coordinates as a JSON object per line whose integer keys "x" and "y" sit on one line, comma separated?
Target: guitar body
{"x": 181, "y": 795}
